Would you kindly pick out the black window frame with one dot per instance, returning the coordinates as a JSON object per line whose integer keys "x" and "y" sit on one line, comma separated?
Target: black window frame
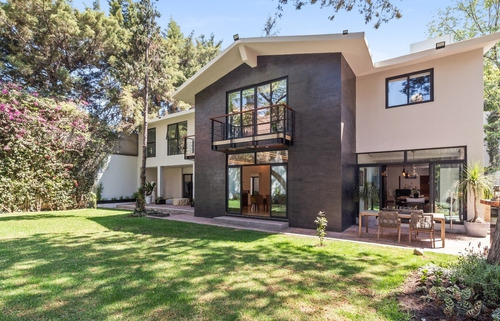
{"x": 407, "y": 76}
{"x": 177, "y": 140}
{"x": 151, "y": 143}
{"x": 239, "y": 91}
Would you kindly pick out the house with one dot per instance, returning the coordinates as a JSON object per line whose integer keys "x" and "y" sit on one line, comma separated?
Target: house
{"x": 166, "y": 162}
{"x": 289, "y": 126}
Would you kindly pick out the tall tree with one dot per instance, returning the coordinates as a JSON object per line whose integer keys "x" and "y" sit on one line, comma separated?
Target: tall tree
{"x": 468, "y": 19}
{"x": 58, "y": 50}
{"x": 143, "y": 72}
{"x": 188, "y": 54}
{"x": 379, "y": 11}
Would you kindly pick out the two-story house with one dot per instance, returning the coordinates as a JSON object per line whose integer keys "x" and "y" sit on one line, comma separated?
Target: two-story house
{"x": 289, "y": 126}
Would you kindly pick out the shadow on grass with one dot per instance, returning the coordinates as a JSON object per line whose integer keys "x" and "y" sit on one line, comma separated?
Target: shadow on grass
{"x": 165, "y": 270}
{"x": 30, "y": 217}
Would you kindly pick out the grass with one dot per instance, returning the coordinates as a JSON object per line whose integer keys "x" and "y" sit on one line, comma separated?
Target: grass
{"x": 105, "y": 265}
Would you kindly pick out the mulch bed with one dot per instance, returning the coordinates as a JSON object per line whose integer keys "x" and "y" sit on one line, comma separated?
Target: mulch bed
{"x": 410, "y": 300}
{"x": 158, "y": 214}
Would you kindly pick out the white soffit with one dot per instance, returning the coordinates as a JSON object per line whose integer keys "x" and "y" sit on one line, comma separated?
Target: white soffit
{"x": 171, "y": 116}
{"x": 484, "y": 43}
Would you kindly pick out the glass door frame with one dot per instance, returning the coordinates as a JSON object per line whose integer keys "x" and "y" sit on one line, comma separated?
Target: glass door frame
{"x": 462, "y": 209}
{"x": 378, "y": 182}
{"x": 270, "y": 203}
{"x": 184, "y": 187}
{"x": 432, "y": 195}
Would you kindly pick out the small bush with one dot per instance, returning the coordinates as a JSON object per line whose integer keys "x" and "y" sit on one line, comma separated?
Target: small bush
{"x": 468, "y": 288}
{"x": 98, "y": 191}
{"x": 472, "y": 270}
{"x": 321, "y": 223}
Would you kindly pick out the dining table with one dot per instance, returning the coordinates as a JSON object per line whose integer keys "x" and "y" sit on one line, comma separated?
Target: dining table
{"x": 438, "y": 217}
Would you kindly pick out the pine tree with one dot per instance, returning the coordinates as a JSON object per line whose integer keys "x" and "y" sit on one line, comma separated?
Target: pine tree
{"x": 57, "y": 50}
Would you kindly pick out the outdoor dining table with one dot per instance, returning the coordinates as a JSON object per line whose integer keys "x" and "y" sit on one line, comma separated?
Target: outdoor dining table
{"x": 438, "y": 217}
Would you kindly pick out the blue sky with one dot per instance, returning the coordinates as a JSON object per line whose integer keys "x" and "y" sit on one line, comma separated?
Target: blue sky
{"x": 224, "y": 18}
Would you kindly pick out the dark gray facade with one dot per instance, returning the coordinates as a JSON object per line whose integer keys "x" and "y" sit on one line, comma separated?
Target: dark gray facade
{"x": 322, "y": 160}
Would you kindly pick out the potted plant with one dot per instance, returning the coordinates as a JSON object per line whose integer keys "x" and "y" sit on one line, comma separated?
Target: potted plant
{"x": 149, "y": 189}
{"x": 475, "y": 183}
{"x": 368, "y": 193}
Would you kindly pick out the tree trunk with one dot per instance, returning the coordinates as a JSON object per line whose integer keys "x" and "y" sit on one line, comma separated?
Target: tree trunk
{"x": 140, "y": 205}
{"x": 494, "y": 254}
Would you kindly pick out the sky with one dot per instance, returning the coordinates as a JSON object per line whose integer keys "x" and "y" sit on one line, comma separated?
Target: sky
{"x": 224, "y": 18}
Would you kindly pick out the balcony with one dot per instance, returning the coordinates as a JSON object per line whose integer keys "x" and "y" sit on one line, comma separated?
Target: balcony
{"x": 262, "y": 128}
{"x": 189, "y": 147}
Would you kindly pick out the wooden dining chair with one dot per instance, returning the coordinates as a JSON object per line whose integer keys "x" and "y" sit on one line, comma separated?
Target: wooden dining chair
{"x": 389, "y": 219}
{"x": 422, "y": 222}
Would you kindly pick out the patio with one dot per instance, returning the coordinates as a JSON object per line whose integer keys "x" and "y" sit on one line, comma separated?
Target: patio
{"x": 456, "y": 240}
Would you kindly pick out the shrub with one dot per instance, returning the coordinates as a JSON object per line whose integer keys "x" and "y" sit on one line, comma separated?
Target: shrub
{"x": 98, "y": 191}
{"x": 472, "y": 270}
{"x": 467, "y": 288}
{"x": 321, "y": 223}
{"x": 51, "y": 151}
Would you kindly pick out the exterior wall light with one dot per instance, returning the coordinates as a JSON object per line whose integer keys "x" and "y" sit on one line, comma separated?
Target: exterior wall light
{"x": 440, "y": 45}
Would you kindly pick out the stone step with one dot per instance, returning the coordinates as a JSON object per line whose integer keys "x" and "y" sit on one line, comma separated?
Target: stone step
{"x": 274, "y": 226}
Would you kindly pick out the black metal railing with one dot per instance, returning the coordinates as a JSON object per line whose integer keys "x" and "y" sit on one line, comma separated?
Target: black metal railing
{"x": 249, "y": 128}
{"x": 189, "y": 147}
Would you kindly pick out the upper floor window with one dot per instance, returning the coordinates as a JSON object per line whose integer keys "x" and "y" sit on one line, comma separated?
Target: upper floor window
{"x": 151, "y": 147}
{"x": 248, "y": 108}
{"x": 412, "y": 88}
{"x": 175, "y": 138}
{"x": 266, "y": 94}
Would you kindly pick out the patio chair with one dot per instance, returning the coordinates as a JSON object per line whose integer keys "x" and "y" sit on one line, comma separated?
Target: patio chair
{"x": 389, "y": 219}
{"x": 422, "y": 222}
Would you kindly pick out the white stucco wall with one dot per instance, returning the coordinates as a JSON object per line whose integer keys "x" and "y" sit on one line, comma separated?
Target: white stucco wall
{"x": 119, "y": 177}
{"x": 162, "y": 158}
{"x": 454, "y": 118}
{"x": 166, "y": 170}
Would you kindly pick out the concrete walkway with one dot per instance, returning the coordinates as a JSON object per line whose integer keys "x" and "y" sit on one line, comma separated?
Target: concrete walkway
{"x": 456, "y": 240}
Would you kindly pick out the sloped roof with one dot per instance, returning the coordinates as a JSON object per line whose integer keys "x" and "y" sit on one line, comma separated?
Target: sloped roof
{"x": 353, "y": 47}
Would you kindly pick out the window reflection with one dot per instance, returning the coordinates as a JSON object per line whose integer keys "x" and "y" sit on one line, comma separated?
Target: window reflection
{"x": 241, "y": 159}
{"x": 410, "y": 88}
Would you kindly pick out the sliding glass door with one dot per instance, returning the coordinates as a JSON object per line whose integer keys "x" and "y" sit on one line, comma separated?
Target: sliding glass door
{"x": 278, "y": 191}
{"x": 234, "y": 189}
{"x": 369, "y": 188}
{"x": 446, "y": 178}
{"x": 257, "y": 184}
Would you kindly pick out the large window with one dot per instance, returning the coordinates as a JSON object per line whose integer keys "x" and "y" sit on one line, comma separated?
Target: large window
{"x": 239, "y": 102}
{"x": 410, "y": 89}
{"x": 151, "y": 147}
{"x": 175, "y": 138}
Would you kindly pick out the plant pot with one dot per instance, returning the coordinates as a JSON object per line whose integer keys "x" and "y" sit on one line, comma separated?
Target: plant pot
{"x": 149, "y": 199}
{"x": 476, "y": 229}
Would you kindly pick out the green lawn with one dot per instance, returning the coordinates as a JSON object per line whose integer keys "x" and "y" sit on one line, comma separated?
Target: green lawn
{"x": 105, "y": 265}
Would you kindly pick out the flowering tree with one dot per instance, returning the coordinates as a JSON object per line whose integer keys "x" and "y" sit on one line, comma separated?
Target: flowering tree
{"x": 50, "y": 152}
